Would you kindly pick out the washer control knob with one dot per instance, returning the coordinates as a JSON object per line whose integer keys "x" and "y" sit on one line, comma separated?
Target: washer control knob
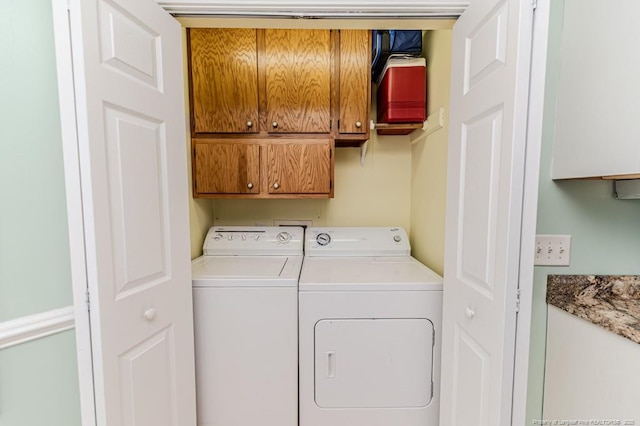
{"x": 244, "y": 237}
{"x": 283, "y": 237}
{"x": 230, "y": 237}
{"x": 323, "y": 239}
{"x": 257, "y": 237}
{"x": 217, "y": 237}
{"x": 397, "y": 238}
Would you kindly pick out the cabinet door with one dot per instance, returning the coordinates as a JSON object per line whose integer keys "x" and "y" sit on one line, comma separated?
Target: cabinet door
{"x": 299, "y": 168}
{"x": 298, "y": 81}
{"x": 224, "y": 80}
{"x": 355, "y": 81}
{"x": 227, "y": 168}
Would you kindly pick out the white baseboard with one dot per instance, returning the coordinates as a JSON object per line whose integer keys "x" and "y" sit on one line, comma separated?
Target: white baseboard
{"x": 24, "y": 329}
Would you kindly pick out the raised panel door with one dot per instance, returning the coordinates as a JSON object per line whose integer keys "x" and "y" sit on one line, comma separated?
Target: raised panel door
{"x": 355, "y": 81}
{"x": 487, "y": 142}
{"x": 300, "y": 168}
{"x": 224, "y": 80}
{"x": 298, "y": 81}
{"x": 226, "y": 168}
{"x": 127, "y": 102}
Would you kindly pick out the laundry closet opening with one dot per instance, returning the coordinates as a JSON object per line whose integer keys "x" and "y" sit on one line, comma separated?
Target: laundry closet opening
{"x": 398, "y": 181}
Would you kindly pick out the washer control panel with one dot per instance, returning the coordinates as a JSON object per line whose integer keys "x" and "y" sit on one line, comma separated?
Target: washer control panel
{"x": 253, "y": 241}
{"x": 357, "y": 242}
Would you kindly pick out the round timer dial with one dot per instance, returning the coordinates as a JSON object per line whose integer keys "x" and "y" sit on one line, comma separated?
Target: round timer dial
{"x": 283, "y": 237}
{"x": 323, "y": 239}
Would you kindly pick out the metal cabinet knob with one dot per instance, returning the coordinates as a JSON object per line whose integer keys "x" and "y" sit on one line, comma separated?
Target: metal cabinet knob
{"x": 276, "y": 186}
{"x": 274, "y": 124}
{"x": 249, "y": 124}
{"x": 250, "y": 185}
{"x": 150, "y": 314}
{"x": 358, "y": 124}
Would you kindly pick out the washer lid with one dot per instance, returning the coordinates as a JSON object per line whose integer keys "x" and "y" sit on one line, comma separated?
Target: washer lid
{"x": 247, "y": 271}
{"x": 367, "y": 274}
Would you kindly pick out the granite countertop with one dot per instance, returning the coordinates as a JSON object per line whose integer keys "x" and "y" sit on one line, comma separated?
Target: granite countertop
{"x": 610, "y": 301}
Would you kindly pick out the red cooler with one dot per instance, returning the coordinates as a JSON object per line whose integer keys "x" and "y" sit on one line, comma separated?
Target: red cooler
{"x": 402, "y": 91}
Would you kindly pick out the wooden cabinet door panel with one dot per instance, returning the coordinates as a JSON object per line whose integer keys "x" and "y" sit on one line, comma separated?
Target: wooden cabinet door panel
{"x": 299, "y": 168}
{"x": 227, "y": 168}
{"x": 355, "y": 78}
{"x": 224, "y": 72}
{"x": 298, "y": 81}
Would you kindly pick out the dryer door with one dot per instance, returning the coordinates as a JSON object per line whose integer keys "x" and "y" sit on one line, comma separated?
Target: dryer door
{"x": 373, "y": 363}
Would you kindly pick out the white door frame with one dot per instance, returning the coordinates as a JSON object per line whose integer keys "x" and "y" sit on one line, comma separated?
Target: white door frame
{"x": 73, "y": 184}
{"x": 537, "y": 86}
{"x": 75, "y": 217}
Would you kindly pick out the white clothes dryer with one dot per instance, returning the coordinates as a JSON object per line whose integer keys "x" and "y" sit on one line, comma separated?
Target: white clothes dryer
{"x": 245, "y": 297}
{"x": 369, "y": 330}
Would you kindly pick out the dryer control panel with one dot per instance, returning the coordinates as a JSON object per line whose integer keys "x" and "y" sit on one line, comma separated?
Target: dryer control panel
{"x": 392, "y": 241}
{"x": 254, "y": 241}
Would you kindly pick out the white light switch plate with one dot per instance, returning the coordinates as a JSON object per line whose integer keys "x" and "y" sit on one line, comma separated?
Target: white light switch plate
{"x": 553, "y": 250}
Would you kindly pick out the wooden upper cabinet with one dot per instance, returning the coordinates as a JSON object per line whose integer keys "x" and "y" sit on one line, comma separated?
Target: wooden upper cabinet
{"x": 300, "y": 168}
{"x": 298, "y": 81}
{"x": 226, "y": 168}
{"x": 224, "y": 80}
{"x": 355, "y": 81}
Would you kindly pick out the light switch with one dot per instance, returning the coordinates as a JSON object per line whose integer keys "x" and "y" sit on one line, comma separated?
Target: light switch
{"x": 553, "y": 250}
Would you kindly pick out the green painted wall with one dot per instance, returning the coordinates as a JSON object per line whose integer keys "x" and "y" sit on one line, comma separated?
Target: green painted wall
{"x": 605, "y": 232}
{"x": 38, "y": 383}
{"x": 38, "y": 380}
{"x": 34, "y": 248}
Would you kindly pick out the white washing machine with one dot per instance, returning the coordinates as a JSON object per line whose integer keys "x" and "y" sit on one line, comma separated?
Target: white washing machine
{"x": 245, "y": 296}
{"x": 369, "y": 330}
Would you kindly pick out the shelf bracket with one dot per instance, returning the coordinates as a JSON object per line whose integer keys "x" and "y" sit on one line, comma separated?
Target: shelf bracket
{"x": 363, "y": 153}
{"x": 435, "y": 122}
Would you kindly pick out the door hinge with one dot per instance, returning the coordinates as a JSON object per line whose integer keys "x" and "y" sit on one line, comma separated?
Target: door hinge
{"x": 432, "y": 389}
{"x": 88, "y": 300}
{"x": 338, "y": 124}
{"x": 518, "y": 300}
{"x": 331, "y": 125}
